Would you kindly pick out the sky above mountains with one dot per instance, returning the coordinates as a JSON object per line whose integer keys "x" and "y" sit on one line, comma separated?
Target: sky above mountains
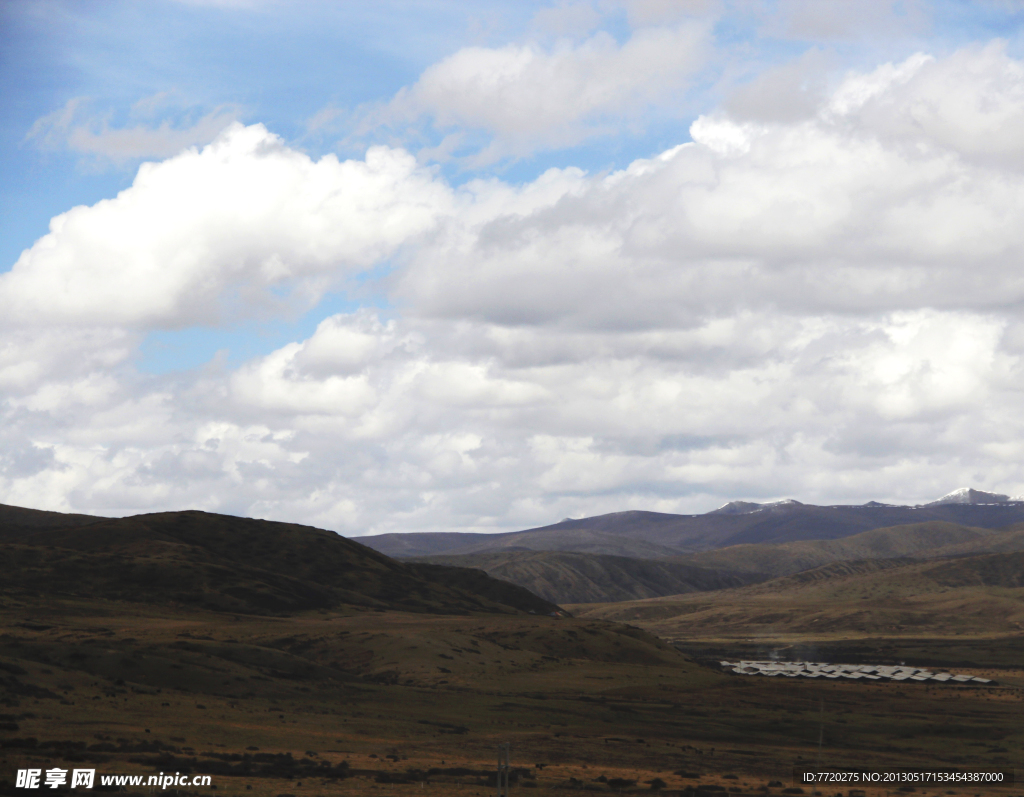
{"x": 482, "y": 266}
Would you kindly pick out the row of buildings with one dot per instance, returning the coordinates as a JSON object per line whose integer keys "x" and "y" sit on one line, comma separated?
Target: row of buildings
{"x": 867, "y": 672}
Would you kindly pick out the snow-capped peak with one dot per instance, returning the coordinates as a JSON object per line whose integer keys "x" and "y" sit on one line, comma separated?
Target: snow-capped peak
{"x": 736, "y": 508}
{"x": 748, "y": 507}
{"x": 968, "y": 495}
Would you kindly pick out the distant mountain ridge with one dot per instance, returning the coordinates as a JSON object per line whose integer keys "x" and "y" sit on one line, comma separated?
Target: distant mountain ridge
{"x": 641, "y": 534}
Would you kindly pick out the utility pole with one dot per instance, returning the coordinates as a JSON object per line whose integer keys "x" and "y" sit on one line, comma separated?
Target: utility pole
{"x": 504, "y": 765}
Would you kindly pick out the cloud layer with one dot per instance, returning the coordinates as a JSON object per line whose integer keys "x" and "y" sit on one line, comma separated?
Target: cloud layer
{"x": 822, "y": 304}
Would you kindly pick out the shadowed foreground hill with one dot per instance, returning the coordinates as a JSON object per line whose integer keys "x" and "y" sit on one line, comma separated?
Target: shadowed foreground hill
{"x": 239, "y": 565}
{"x": 15, "y": 520}
{"x": 564, "y": 577}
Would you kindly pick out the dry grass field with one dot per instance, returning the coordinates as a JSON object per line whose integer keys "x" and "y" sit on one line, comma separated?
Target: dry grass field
{"x": 371, "y": 702}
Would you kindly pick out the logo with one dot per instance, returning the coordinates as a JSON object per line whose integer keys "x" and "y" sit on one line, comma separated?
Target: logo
{"x": 52, "y": 778}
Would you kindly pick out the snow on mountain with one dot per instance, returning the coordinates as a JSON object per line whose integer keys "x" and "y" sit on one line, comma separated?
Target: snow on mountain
{"x": 968, "y": 495}
{"x": 736, "y": 508}
{"x": 748, "y": 507}
{"x": 965, "y": 495}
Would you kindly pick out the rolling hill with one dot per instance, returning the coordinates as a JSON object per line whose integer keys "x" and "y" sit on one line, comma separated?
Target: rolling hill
{"x": 239, "y": 565}
{"x": 562, "y": 577}
{"x": 973, "y": 596}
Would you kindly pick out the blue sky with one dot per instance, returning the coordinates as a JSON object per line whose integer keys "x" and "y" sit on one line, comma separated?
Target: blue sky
{"x": 281, "y": 63}
{"x": 470, "y": 227}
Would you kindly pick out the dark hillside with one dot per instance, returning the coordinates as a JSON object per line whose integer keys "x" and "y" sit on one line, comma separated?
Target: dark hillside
{"x": 15, "y": 520}
{"x": 240, "y": 565}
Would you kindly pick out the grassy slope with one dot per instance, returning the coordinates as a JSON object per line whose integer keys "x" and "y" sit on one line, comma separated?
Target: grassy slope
{"x": 917, "y": 540}
{"x": 564, "y": 577}
{"x": 979, "y": 596}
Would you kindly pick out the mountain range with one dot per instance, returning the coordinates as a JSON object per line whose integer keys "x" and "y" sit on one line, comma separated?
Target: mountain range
{"x": 656, "y": 535}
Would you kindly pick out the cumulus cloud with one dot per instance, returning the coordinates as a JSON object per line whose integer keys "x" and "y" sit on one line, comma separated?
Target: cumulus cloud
{"x": 528, "y": 97}
{"x": 822, "y": 305}
{"x": 212, "y": 232}
{"x": 838, "y": 212}
{"x": 971, "y": 103}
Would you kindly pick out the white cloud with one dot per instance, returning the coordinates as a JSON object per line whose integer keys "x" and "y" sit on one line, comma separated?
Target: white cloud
{"x": 30, "y": 358}
{"x": 830, "y": 213}
{"x": 527, "y": 97}
{"x": 971, "y": 103}
{"x": 210, "y": 232}
{"x": 77, "y": 128}
{"x": 928, "y": 364}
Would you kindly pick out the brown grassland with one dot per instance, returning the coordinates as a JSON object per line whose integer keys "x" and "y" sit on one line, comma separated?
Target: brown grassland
{"x": 293, "y": 682}
{"x": 359, "y": 702}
